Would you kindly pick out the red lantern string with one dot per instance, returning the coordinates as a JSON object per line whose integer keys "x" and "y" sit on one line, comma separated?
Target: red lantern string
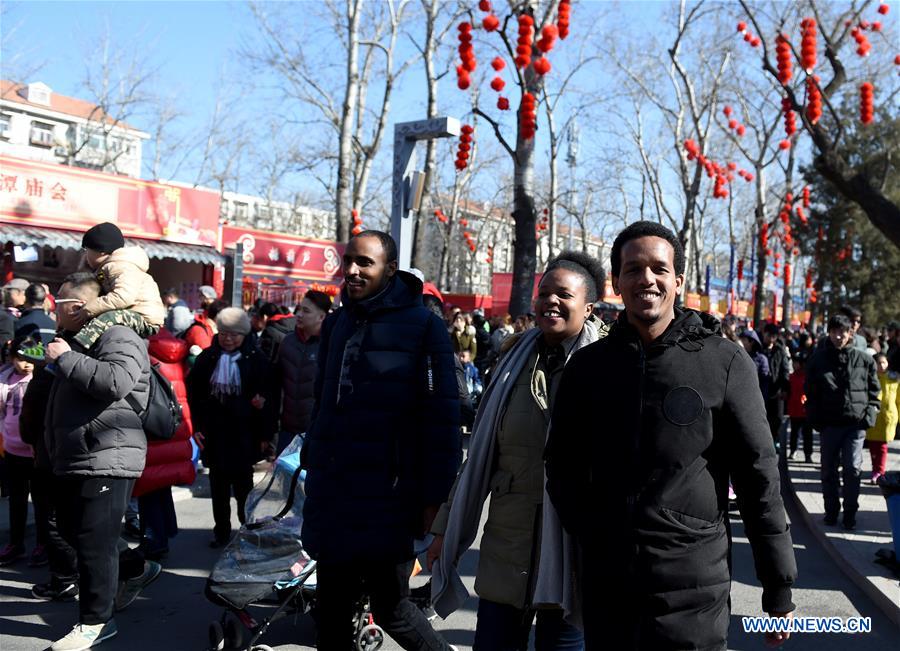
{"x": 740, "y": 269}
{"x": 783, "y": 58}
{"x": 440, "y": 216}
{"x": 548, "y": 37}
{"x": 866, "y": 103}
{"x": 809, "y": 279}
{"x": 523, "y": 49}
{"x": 862, "y": 41}
{"x": 813, "y": 99}
{"x": 808, "y": 44}
{"x": 801, "y": 215}
{"x": 528, "y": 117}
{"x": 465, "y": 140}
{"x": 806, "y": 196}
{"x": 562, "y": 18}
{"x": 790, "y": 121}
{"x": 466, "y": 55}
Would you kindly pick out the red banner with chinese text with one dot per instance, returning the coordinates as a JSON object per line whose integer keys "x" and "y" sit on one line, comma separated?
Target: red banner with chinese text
{"x": 281, "y": 255}
{"x": 70, "y": 198}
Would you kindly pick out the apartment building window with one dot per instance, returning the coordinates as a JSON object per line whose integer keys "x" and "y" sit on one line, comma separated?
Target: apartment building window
{"x": 41, "y": 134}
{"x": 240, "y": 210}
{"x": 4, "y": 125}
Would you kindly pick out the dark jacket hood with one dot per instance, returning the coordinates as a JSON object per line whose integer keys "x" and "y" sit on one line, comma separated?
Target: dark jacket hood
{"x": 750, "y": 334}
{"x": 687, "y": 330}
{"x": 403, "y": 290}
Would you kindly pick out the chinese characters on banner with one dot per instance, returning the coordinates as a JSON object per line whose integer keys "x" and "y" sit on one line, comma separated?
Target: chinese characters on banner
{"x": 56, "y": 196}
{"x": 280, "y": 255}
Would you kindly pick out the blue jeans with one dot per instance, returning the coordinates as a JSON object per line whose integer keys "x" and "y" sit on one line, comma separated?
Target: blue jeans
{"x": 505, "y": 628}
{"x": 841, "y": 446}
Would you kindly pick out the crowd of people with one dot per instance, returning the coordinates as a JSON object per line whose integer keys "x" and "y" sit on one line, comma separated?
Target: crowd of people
{"x": 382, "y": 388}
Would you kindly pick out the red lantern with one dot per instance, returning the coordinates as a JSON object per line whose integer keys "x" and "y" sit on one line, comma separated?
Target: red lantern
{"x": 784, "y": 144}
{"x": 503, "y": 103}
{"x": 498, "y": 84}
{"x": 562, "y": 18}
{"x": 813, "y": 99}
{"x": 727, "y": 111}
{"x": 740, "y": 269}
{"x": 754, "y": 42}
{"x": 741, "y": 28}
{"x": 356, "y": 230}
{"x": 808, "y": 45}
{"x": 740, "y": 130}
{"x": 897, "y": 60}
{"x": 809, "y": 279}
{"x": 548, "y": 37}
{"x": 462, "y": 154}
{"x": 464, "y": 223}
{"x": 490, "y": 23}
{"x": 498, "y": 64}
{"x": 866, "y": 103}
{"x": 806, "y": 196}
{"x": 541, "y": 66}
{"x": 862, "y": 41}
{"x": 876, "y": 26}
{"x": 883, "y": 9}
{"x": 783, "y": 57}
{"x": 484, "y": 5}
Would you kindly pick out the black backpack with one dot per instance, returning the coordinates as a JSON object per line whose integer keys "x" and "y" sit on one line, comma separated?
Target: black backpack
{"x": 162, "y": 417}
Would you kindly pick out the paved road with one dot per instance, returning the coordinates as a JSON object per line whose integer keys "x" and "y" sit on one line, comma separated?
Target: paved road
{"x": 172, "y": 614}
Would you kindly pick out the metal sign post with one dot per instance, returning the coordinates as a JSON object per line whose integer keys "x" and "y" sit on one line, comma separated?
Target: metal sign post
{"x": 237, "y": 281}
{"x": 406, "y": 135}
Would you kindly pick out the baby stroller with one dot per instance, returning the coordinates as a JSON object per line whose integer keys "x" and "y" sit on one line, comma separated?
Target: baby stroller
{"x": 264, "y": 566}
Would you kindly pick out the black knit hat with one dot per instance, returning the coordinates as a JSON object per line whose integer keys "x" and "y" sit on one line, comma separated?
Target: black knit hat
{"x": 105, "y": 237}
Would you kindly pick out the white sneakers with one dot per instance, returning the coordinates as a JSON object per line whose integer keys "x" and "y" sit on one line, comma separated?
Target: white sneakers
{"x": 85, "y": 636}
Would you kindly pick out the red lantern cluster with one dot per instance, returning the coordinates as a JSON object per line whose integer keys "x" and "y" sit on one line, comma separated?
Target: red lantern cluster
{"x": 357, "y": 222}
{"x": 490, "y": 255}
{"x": 809, "y": 279}
{"x": 528, "y": 116}
{"x": 548, "y": 38}
{"x": 787, "y": 274}
{"x": 498, "y": 84}
{"x": 790, "y": 120}
{"x": 733, "y": 124}
{"x": 562, "y": 18}
{"x": 466, "y": 55}
{"x": 490, "y": 22}
{"x": 764, "y": 239}
{"x": 862, "y": 42}
{"x": 783, "y": 58}
{"x": 808, "y": 44}
{"x": 813, "y": 99}
{"x": 467, "y": 236}
{"x": 801, "y": 215}
{"x": 465, "y": 146}
{"x": 544, "y": 224}
{"x": 523, "y": 47}
{"x": 740, "y": 269}
{"x": 748, "y": 35}
{"x": 806, "y": 196}
{"x": 440, "y": 216}
{"x": 866, "y": 103}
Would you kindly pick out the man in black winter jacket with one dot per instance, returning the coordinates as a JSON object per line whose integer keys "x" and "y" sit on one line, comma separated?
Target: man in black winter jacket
{"x": 383, "y": 448}
{"x": 97, "y": 447}
{"x": 842, "y": 403}
{"x": 645, "y": 492}
{"x": 780, "y": 369}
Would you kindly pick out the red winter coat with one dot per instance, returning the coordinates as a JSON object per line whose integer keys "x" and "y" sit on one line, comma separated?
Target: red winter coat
{"x": 795, "y": 405}
{"x": 200, "y": 332}
{"x": 169, "y": 462}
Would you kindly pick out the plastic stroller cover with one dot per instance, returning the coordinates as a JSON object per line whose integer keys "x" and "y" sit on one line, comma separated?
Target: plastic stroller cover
{"x": 267, "y": 550}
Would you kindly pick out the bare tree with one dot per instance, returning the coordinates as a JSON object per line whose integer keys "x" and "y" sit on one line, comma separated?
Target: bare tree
{"x": 834, "y": 25}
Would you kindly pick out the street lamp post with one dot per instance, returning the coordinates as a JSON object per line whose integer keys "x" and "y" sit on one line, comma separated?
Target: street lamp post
{"x": 406, "y": 135}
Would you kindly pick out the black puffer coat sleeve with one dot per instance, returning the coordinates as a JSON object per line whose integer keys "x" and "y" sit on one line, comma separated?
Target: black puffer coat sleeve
{"x": 567, "y": 464}
{"x": 753, "y": 466}
{"x": 441, "y": 446}
{"x": 112, "y": 375}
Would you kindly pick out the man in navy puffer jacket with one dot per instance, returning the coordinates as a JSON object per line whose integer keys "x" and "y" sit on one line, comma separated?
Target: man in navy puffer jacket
{"x": 383, "y": 448}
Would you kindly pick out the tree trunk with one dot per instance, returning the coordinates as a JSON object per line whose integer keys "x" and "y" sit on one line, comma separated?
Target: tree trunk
{"x": 524, "y": 253}
{"x": 883, "y": 213}
{"x": 345, "y": 149}
{"x": 554, "y": 180}
{"x": 420, "y": 255}
{"x": 761, "y": 260}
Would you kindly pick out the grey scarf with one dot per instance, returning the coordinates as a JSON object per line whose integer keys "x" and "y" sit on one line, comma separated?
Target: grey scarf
{"x": 557, "y": 569}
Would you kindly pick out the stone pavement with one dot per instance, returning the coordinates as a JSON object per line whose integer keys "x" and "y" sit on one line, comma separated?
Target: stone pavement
{"x": 853, "y": 551}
